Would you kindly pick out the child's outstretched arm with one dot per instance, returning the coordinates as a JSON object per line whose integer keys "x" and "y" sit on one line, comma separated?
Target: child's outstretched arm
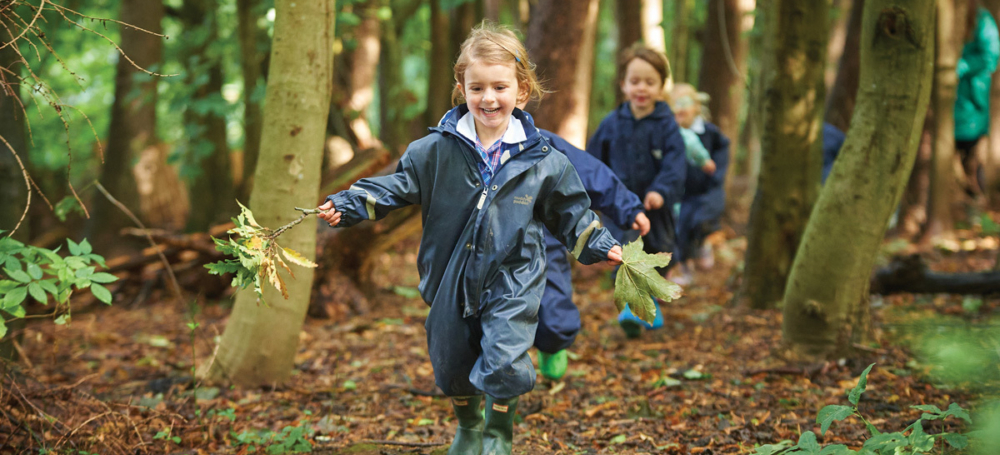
{"x": 565, "y": 211}
{"x": 372, "y": 198}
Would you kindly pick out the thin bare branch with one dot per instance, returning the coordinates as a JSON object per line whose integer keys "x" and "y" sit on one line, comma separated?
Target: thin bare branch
{"x": 27, "y": 182}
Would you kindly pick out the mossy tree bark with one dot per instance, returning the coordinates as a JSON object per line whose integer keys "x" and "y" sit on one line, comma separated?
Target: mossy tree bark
{"x": 679, "y": 41}
{"x": 791, "y": 145}
{"x": 825, "y": 306}
{"x": 944, "y": 189}
{"x": 259, "y": 343}
{"x": 561, "y": 38}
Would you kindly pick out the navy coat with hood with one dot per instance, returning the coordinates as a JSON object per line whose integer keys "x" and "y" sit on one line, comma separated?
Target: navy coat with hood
{"x": 482, "y": 253}
{"x": 647, "y": 155}
{"x": 704, "y": 195}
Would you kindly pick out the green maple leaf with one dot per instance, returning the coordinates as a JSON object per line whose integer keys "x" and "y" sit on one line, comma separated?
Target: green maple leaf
{"x": 638, "y": 280}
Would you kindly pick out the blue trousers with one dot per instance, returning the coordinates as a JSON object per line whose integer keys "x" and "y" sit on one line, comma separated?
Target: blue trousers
{"x": 558, "y": 317}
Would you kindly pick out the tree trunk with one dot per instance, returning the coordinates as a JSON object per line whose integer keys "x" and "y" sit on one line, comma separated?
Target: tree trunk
{"x": 561, "y": 38}
{"x": 724, "y": 64}
{"x": 252, "y": 38}
{"x": 259, "y": 344}
{"x": 463, "y": 18}
{"x": 944, "y": 190}
{"x": 840, "y": 102}
{"x": 364, "y": 65}
{"x": 741, "y": 178}
{"x": 679, "y": 54}
{"x": 441, "y": 76}
{"x": 133, "y": 119}
{"x": 652, "y": 25}
{"x": 394, "y": 96}
{"x": 791, "y": 143}
{"x": 826, "y": 303}
{"x": 491, "y": 10}
{"x": 212, "y": 193}
{"x": 838, "y": 35}
{"x": 629, "y": 19}
{"x": 13, "y": 190}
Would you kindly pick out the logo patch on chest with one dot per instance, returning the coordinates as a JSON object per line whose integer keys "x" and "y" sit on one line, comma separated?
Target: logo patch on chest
{"x": 657, "y": 153}
{"x": 523, "y": 200}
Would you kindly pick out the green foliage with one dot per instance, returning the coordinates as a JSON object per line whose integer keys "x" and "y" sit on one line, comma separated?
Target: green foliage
{"x": 911, "y": 440}
{"x": 291, "y": 439}
{"x": 257, "y": 255}
{"x": 638, "y": 279}
{"x": 40, "y": 272}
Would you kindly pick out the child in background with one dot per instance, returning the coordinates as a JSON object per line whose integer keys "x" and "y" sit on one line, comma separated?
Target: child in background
{"x": 488, "y": 184}
{"x": 641, "y": 142}
{"x": 704, "y": 190}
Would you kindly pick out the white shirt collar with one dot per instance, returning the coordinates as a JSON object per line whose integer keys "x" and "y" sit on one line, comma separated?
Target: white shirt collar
{"x": 699, "y": 125}
{"x": 514, "y": 134}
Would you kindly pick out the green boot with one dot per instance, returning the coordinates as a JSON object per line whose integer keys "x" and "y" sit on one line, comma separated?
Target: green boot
{"x": 469, "y": 437}
{"x": 498, "y": 435}
{"x": 553, "y": 366}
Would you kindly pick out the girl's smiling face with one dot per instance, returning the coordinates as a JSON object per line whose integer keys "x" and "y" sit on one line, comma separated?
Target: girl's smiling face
{"x": 491, "y": 92}
{"x": 642, "y": 86}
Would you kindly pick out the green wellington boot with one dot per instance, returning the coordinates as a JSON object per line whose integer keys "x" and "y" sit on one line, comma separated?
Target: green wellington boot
{"x": 498, "y": 435}
{"x": 469, "y": 437}
{"x": 553, "y": 366}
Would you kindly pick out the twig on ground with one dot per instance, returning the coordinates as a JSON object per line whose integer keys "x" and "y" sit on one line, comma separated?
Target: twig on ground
{"x": 403, "y": 443}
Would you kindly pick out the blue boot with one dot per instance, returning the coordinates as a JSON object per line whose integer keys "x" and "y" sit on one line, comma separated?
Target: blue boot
{"x": 633, "y": 326}
{"x": 658, "y": 319}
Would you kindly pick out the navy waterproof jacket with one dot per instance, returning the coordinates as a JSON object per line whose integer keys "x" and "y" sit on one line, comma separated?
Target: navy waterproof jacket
{"x": 482, "y": 243}
{"x": 647, "y": 155}
{"x": 833, "y": 140}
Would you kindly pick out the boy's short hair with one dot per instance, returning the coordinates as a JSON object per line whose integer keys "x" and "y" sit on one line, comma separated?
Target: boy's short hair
{"x": 649, "y": 55}
{"x": 495, "y": 44}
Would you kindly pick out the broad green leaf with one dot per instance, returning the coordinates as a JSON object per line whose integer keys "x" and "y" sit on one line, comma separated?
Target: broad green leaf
{"x": 927, "y": 408}
{"x": 770, "y": 449}
{"x": 855, "y": 395}
{"x": 34, "y": 271}
{"x": 638, "y": 279}
{"x": 830, "y": 414}
{"x": 956, "y": 440}
{"x": 102, "y": 293}
{"x": 3, "y": 328}
{"x": 12, "y": 263}
{"x": 918, "y": 439}
{"x": 836, "y": 449}
{"x": 74, "y": 248}
{"x": 886, "y": 442}
{"x": 957, "y": 411}
{"x": 14, "y": 298}
{"x": 62, "y": 319}
{"x": 249, "y": 215}
{"x": 18, "y": 275}
{"x": 85, "y": 247}
{"x": 37, "y": 292}
{"x": 296, "y": 258}
{"x": 102, "y": 277}
{"x": 807, "y": 443}
{"x": 49, "y": 286}
{"x": 85, "y": 272}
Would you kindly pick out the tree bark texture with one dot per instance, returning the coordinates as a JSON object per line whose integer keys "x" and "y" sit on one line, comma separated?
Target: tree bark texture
{"x": 212, "y": 192}
{"x": 843, "y": 93}
{"x": 944, "y": 189}
{"x": 442, "y": 75}
{"x": 561, "y": 38}
{"x": 628, "y": 15}
{"x": 679, "y": 41}
{"x": 826, "y": 302}
{"x": 838, "y": 35}
{"x": 791, "y": 145}
{"x": 133, "y": 118}
{"x": 260, "y": 341}
{"x": 364, "y": 65}
{"x": 253, "y": 41}
{"x": 13, "y": 190}
{"x": 724, "y": 64}
{"x": 394, "y": 95}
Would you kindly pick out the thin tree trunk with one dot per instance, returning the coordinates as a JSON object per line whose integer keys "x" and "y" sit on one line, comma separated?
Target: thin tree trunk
{"x": 826, "y": 303}
{"x": 561, "y": 39}
{"x": 791, "y": 142}
{"x": 259, "y": 344}
{"x": 212, "y": 193}
{"x": 394, "y": 95}
{"x": 133, "y": 119}
{"x": 629, "y": 18}
{"x": 463, "y": 18}
{"x": 741, "y": 179}
{"x": 12, "y": 129}
{"x": 652, "y": 25}
{"x": 441, "y": 76}
{"x": 491, "y": 10}
{"x": 944, "y": 190}
{"x": 838, "y": 38}
{"x": 840, "y": 102}
{"x": 364, "y": 65}
{"x": 724, "y": 64}
{"x": 251, "y": 38}
{"x": 679, "y": 54}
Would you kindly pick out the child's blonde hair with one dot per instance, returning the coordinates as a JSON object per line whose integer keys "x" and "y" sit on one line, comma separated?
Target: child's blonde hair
{"x": 700, "y": 98}
{"x": 495, "y": 44}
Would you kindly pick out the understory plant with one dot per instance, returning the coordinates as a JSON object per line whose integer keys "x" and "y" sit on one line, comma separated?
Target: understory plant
{"x": 910, "y": 440}
{"x": 48, "y": 277}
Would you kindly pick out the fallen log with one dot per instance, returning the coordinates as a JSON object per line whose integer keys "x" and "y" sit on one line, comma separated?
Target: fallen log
{"x": 910, "y": 274}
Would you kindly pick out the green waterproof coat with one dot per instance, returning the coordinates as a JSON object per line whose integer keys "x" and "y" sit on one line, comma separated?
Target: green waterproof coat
{"x": 979, "y": 60}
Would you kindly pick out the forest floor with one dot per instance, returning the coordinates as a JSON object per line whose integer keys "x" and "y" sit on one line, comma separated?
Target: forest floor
{"x": 714, "y": 380}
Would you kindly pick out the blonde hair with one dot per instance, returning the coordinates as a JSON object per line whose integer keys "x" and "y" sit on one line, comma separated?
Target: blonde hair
{"x": 701, "y": 98}
{"x": 495, "y": 44}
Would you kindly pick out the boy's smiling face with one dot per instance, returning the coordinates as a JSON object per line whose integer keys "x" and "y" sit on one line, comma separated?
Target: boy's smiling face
{"x": 641, "y": 86}
{"x": 491, "y": 92}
